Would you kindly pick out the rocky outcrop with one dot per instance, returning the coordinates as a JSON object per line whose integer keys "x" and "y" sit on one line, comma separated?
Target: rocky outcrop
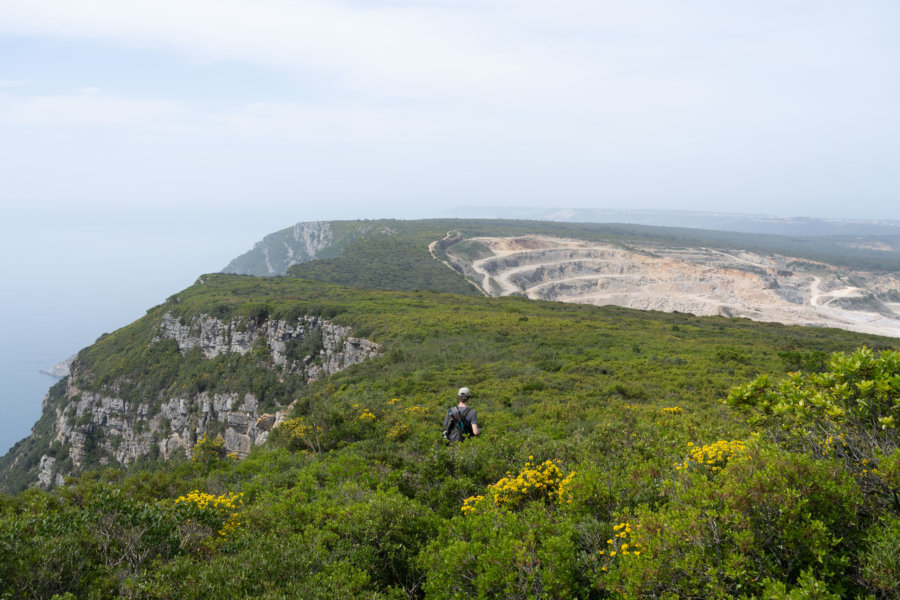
{"x": 46, "y": 477}
{"x": 330, "y": 347}
{"x": 106, "y": 428}
{"x": 282, "y": 249}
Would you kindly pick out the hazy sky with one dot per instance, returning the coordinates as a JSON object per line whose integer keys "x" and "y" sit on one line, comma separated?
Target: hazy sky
{"x": 305, "y": 110}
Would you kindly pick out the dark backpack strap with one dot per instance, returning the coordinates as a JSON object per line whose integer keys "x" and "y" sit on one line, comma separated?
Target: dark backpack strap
{"x": 461, "y": 416}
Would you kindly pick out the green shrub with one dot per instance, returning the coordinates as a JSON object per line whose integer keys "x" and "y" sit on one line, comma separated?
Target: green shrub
{"x": 502, "y": 555}
{"x": 881, "y": 560}
{"x": 850, "y": 412}
{"x": 808, "y": 588}
{"x": 765, "y": 514}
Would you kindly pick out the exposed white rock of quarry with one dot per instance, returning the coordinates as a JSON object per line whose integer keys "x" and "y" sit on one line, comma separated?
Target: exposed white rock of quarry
{"x": 700, "y": 281}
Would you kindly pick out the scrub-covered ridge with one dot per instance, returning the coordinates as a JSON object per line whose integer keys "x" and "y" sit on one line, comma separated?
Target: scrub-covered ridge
{"x": 624, "y": 453}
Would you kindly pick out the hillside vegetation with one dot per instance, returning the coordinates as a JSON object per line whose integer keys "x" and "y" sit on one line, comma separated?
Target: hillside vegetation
{"x": 610, "y": 464}
{"x": 373, "y": 238}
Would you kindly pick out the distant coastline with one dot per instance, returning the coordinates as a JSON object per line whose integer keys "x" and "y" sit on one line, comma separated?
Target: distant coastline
{"x": 60, "y": 370}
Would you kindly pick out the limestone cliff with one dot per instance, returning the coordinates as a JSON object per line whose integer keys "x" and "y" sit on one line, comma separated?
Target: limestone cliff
{"x": 278, "y": 251}
{"x": 112, "y": 426}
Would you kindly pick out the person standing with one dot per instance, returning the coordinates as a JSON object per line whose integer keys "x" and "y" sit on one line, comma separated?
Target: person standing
{"x": 461, "y": 421}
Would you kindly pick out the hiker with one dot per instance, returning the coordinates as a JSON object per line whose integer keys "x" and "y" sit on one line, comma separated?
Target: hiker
{"x": 461, "y": 421}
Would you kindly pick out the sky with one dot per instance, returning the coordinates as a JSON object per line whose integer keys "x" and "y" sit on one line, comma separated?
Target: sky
{"x": 145, "y": 143}
{"x": 332, "y": 109}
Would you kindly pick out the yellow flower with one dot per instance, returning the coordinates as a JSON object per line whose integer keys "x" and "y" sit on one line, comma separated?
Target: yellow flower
{"x": 544, "y": 480}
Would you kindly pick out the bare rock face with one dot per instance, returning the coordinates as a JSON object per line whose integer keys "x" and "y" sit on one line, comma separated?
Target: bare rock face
{"x": 107, "y": 428}
{"x": 211, "y": 335}
{"x": 700, "y": 281}
{"x": 214, "y": 337}
{"x": 46, "y": 476}
{"x": 275, "y": 253}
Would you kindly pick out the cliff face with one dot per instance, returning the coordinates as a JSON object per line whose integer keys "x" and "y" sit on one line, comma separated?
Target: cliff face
{"x": 278, "y": 251}
{"x": 334, "y": 344}
{"x": 110, "y": 426}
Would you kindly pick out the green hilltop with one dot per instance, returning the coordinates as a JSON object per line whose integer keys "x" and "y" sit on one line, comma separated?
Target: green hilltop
{"x": 610, "y": 465}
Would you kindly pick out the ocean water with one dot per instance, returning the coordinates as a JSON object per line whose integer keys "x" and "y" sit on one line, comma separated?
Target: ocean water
{"x": 20, "y": 398}
{"x": 35, "y": 341}
{"x": 24, "y": 386}
{"x": 65, "y": 283}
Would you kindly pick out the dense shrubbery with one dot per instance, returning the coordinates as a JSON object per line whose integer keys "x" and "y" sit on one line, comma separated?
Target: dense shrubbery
{"x": 851, "y": 413}
{"x": 387, "y": 262}
{"x": 580, "y": 467}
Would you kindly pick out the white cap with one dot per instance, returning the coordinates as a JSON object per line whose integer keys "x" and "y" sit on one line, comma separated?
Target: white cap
{"x": 463, "y": 391}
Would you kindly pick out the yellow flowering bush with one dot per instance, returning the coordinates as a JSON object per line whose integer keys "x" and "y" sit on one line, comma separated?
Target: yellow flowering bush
{"x": 621, "y": 544}
{"x": 221, "y": 513}
{"x": 564, "y": 489}
{"x": 301, "y": 432}
{"x": 713, "y": 456}
{"x": 397, "y": 432}
{"x": 208, "y": 449}
{"x": 365, "y": 414}
{"x": 471, "y": 504}
{"x": 534, "y": 481}
{"x": 672, "y": 410}
{"x": 412, "y": 412}
{"x": 398, "y": 418}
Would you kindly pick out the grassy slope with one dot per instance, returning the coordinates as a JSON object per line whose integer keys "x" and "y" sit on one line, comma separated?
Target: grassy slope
{"x": 349, "y": 514}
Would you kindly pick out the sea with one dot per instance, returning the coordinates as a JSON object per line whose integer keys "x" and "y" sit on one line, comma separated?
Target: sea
{"x": 24, "y": 386}
{"x": 66, "y": 283}
{"x": 42, "y": 336}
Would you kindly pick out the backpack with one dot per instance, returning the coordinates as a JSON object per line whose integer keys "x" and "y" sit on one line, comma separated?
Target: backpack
{"x": 457, "y": 426}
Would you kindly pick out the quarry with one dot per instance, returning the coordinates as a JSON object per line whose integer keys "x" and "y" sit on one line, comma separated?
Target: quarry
{"x": 699, "y": 281}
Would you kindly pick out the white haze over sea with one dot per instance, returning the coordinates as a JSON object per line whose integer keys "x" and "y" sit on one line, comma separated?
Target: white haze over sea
{"x": 68, "y": 280}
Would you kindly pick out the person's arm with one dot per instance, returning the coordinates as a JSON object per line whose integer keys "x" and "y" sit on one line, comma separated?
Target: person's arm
{"x": 473, "y": 422}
